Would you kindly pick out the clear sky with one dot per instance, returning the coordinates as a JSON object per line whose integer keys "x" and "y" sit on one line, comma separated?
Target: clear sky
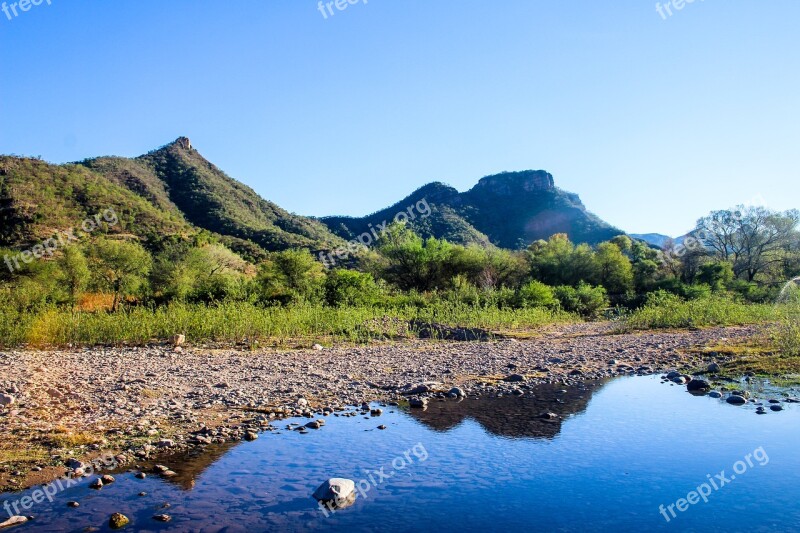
{"x": 653, "y": 122}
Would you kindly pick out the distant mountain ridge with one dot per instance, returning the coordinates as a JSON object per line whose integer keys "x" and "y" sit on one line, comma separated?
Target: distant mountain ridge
{"x": 174, "y": 192}
{"x": 508, "y": 210}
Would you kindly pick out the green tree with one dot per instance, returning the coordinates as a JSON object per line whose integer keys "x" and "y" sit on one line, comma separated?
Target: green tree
{"x": 614, "y": 270}
{"x": 291, "y": 276}
{"x": 74, "y": 273}
{"x": 716, "y": 274}
{"x": 120, "y": 267}
{"x": 537, "y": 294}
{"x": 350, "y": 288}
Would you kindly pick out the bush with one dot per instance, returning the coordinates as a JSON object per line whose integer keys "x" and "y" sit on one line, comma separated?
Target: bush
{"x": 586, "y": 300}
{"x": 786, "y": 337}
{"x": 351, "y": 288}
{"x": 536, "y": 294}
{"x": 666, "y": 310}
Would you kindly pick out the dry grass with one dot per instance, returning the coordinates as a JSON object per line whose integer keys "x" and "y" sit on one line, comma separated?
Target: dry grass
{"x": 61, "y": 437}
{"x": 152, "y": 394}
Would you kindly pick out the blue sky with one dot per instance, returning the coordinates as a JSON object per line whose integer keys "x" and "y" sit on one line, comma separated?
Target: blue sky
{"x": 653, "y": 122}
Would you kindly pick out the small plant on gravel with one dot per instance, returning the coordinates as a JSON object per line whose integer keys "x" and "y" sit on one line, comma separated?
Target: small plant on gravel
{"x": 786, "y": 337}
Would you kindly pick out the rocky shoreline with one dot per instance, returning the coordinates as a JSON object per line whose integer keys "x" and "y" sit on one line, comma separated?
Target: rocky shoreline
{"x": 138, "y": 404}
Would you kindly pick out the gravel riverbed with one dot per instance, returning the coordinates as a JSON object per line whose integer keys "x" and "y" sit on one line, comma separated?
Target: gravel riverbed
{"x": 143, "y": 402}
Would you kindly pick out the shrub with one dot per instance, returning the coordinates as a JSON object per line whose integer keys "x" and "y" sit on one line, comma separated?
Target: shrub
{"x": 536, "y": 294}
{"x": 586, "y": 300}
{"x": 351, "y": 288}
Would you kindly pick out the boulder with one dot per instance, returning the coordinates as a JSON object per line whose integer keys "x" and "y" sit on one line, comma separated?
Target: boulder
{"x": 7, "y": 399}
{"x": 178, "y": 340}
{"x": 698, "y": 385}
{"x": 118, "y": 521}
{"x": 457, "y": 392}
{"x": 13, "y": 521}
{"x": 735, "y": 399}
{"x": 418, "y": 403}
{"x": 514, "y": 378}
{"x": 338, "y": 492}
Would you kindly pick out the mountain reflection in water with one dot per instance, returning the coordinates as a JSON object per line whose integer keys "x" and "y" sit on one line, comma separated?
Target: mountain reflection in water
{"x": 516, "y": 417}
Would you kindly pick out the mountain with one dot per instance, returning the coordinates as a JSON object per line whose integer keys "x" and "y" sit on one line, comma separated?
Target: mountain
{"x": 174, "y": 191}
{"x": 509, "y": 210}
{"x": 170, "y": 191}
{"x": 658, "y": 240}
{"x": 655, "y": 239}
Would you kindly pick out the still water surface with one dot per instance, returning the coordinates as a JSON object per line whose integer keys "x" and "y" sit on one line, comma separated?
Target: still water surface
{"x": 619, "y": 451}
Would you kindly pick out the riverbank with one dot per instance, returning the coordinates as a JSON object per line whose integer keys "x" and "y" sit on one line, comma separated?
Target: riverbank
{"x": 139, "y": 403}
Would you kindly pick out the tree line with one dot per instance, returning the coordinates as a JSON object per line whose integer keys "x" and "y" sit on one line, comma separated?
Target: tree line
{"x": 747, "y": 253}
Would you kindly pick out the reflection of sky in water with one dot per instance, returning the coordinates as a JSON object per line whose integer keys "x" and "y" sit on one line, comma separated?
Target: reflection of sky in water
{"x": 633, "y": 445}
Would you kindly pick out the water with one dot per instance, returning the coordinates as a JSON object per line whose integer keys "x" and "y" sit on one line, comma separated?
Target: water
{"x": 620, "y": 450}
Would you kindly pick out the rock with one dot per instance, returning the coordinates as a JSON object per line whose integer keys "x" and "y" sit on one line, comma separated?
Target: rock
{"x": 338, "y": 491}
{"x": 178, "y": 340}
{"x": 97, "y": 484}
{"x": 7, "y": 399}
{"x": 698, "y": 385}
{"x": 73, "y": 504}
{"x": 381, "y": 427}
{"x": 318, "y": 347}
{"x": 672, "y": 375}
{"x": 140, "y": 475}
{"x": 314, "y": 424}
{"x": 417, "y": 389}
{"x": 514, "y": 378}
{"x": 107, "y": 479}
{"x": 457, "y": 392}
{"x": 548, "y": 416}
{"x": 376, "y": 412}
{"x": 735, "y": 399}
{"x": 251, "y": 436}
{"x": 118, "y": 521}
{"x": 74, "y": 464}
{"x": 715, "y": 394}
{"x": 680, "y": 380}
{"x": 166, "y": 443}
{"x": 776, "y": 407}
{"x": 761, "y": 411}
{"x": 162, "y": 518}
{"x": 13, "y": 521}
{"x": 713, "y": 368}
{"x": 418, "y": 403}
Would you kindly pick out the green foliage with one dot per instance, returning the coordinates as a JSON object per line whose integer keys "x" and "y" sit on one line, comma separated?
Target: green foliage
{"x": 716, "y": 274}
{"x": 119, "y": 267}
{"x": 667, "y": 310}
{"x": 345, "y": 288}
{"x": 537, "y": 294}
{"x": 74, "y": 273}
{"x": 585, "y": 300}
{"x": 786, "y": 337}
{"x": 291, "y": 276}
{"x": 235, "y": 322}
{"x": 614, "y": 270}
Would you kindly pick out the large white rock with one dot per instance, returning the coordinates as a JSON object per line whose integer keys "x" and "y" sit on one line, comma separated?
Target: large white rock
{"x": 13, "y": 521}
{"x": 336, "y": 489}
